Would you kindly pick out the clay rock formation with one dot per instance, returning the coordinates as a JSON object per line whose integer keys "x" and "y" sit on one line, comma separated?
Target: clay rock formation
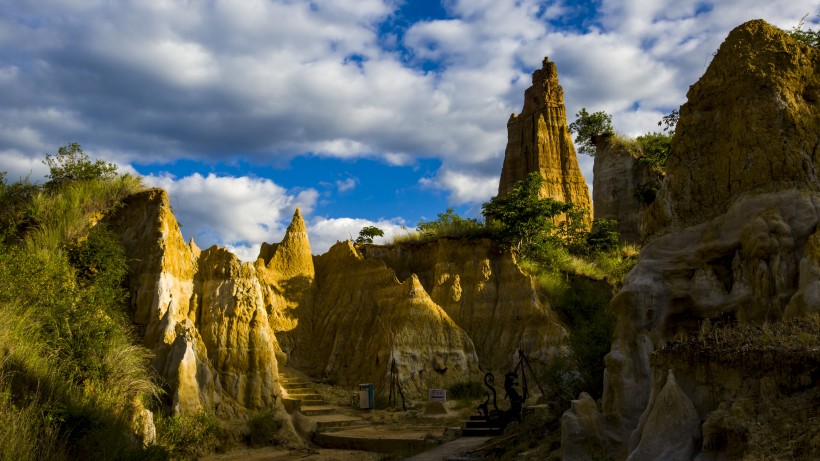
{"x": 749, "y": 127}
{"x": 482, "y": 288}
{"x": 201, "y": 313}
{"x": 367, "y": 326}
{"x": 538, "y": 141}
{"x": 733, "y": 229}
{"x": 622, "y": 185}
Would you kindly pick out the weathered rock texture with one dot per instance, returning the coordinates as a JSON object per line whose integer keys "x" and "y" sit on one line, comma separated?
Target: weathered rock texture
{"x": 202, "y": 313}
{"x": 733, "y": 229}
{"x": 749, "y": 127}
{"x": 367, "y": 326}
{"x": 538, "y": 141}
{"x": 480, "y": 286}
{"x": 622, "y": 185}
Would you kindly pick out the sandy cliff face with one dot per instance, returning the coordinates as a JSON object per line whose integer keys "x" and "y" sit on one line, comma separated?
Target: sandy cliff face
{"x": 619, "y": 180}
{"x": 202, "y": 313}
{"x": 483, "y": 290}
{"x": 364, "y": 319}
{"x": 732, "y": 231}
{"x": 538, "y": 141}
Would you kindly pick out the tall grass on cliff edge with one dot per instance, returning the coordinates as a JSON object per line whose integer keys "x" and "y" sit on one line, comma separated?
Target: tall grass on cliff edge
{"x": 71, "y": 374}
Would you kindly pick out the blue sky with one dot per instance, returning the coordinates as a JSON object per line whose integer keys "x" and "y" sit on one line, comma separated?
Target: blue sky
{"x": 360, "y": 112}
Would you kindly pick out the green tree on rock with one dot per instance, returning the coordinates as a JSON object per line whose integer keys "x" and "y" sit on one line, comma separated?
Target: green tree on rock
{"x": 587, "y": 127}
{"x": 522, "y": 218}
{"x": 72, "y": 164}
{"x": 367, "y": 234}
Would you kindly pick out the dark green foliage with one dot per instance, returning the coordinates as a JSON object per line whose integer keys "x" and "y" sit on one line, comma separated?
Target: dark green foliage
{"x": 188, "y": 437}
{"x": 72, "y": 164}
{"x": 523, "y": 218}
{"x": 468, "y": 390}
{"x": 367, "y": 234}
{"x": 670, "y": 121}
{"x": 264, "y": 429}
{"x": 655, "y": 149}
{"x": 646, "y": 193}
{"x": 589, "y": 126}
{"x": 15, "y": 217}
{"x": 573, "y": 231}
{"x": 585, "y": 305}
{"x": 809, "y": 36}
{"x": 604, "y": 236}
{"x": 450, "y": 224}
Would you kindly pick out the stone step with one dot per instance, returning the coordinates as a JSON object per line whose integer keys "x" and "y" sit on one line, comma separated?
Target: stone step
{"x": 303, "y": 396}
{"x": 300, "y": 389}
{"x": 316, "y": 410}
{"x": 401, "y": 443}
{"x": 330, "y": 421}
{"x": 480, "y": 432}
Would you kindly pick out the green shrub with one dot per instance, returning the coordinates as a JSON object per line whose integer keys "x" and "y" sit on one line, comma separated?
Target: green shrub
{"x": 468, "y": 390}
{"x": 604, "y": 235}
{"x": 188, "y": 437}
{"x": 264, "y": 428}
{"x": 589, "y": 126}
{"x": 646, "y": 193}
{"x": 655, "y": 149}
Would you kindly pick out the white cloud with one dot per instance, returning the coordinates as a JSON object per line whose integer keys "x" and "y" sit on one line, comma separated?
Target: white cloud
{"x": 324, "y": 233}
{"x": 347, "y": 184}
{"x": 158, "y": 81}
{"x": 235, "y": 212}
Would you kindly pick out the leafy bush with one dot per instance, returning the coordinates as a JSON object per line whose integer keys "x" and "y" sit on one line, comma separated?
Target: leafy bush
{"x": 523, "y": 217}
{"x": 72, "y": 164}
{"x": 646, "y": 193}
{"x": 264, "y": 428}
{"x": 808, "y": 36}
{"x": 655, "y": 150}
{"x": 604, "y": 235}
{"x": 588, "y": 127}
{"x": 468, "y": 390}
{"x": 188, "y": 437}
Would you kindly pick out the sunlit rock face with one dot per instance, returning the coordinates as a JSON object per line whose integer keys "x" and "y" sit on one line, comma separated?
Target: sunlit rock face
{"x": 482, "y": 288}
{"x": 538, "y": 141}
{"x": 732, "y": 235}
{"x": 202, "y": 313}
{"x": 366, "y": 325}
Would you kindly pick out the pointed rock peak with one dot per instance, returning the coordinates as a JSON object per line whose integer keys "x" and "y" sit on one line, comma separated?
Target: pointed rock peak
{"x": 749, "y": 126}
{"x": 545, "y": 90}
{"x": 194, "y": 247}
{"x": 538, "y": 141}
{"x": 297, "y": 224}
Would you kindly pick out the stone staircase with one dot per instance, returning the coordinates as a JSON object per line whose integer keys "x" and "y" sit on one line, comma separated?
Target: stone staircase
{"x": 301, "y": 396}
{"x": 481, "y": 426}
{"x": 336, "y": 427}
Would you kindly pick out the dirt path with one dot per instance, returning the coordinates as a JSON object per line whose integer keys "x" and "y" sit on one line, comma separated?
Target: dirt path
{"x": 274, "y": 454}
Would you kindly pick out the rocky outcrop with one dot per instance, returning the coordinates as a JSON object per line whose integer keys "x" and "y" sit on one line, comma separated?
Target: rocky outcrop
{"x": 731, "y": 231}
{"x": 623, "y": 186}
{"x": 482, "y": 288}
{"x": 538, "y": 141}
{"x": 367, "y": 326}
{"x": 749, "y": 127}
{"x": 202, "y": 313}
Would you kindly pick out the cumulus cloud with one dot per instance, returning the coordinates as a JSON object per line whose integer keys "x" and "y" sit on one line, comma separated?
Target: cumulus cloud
{"x": 236, "y": 212}
{"x": 325, "y": 232}
{"x": 154, "y": 82}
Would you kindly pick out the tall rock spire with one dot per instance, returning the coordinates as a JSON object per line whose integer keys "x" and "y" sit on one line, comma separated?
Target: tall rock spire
{"x": 538, "y": 140}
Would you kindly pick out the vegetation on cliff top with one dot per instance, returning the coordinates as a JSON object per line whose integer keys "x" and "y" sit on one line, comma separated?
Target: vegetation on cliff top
{"x": 72, "y": 377}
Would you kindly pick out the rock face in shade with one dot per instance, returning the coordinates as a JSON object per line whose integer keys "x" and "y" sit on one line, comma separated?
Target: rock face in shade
{"x": 622, "y": 185}
{"x": 749, "y": 127}
{"x": 732, "y": 237}
{"x": 538, "y": 141}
